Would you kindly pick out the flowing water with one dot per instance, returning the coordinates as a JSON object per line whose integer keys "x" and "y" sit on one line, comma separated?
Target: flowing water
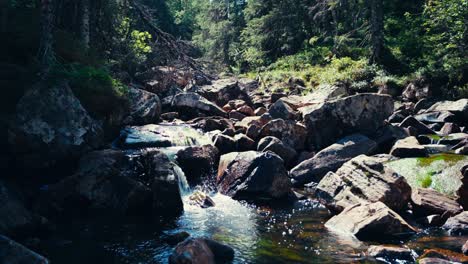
{"x": 285, "y": 233}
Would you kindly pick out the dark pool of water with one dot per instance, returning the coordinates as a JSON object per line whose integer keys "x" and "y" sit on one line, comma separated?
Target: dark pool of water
{"x": 289, "y": 234}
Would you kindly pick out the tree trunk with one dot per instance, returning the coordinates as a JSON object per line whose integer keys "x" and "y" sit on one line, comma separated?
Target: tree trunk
{"x": 46, "y": 52}
{"x": 377, "y": 30}
{"x": 85, "y": 34}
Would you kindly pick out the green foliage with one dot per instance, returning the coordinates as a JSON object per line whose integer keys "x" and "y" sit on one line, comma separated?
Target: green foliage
{"x": 97, "y": 90}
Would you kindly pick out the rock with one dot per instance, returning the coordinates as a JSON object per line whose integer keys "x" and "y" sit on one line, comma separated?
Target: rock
{"x": 275, "y": 96}
{"x": 444, "y": 254}
{"x": 224, "y": 90}
{"x": 236, "y": 115}
{"x": 244, "y": 143}
{"x": 253, "y": 131}
{"x": 449, "y": 128}
{"x": 364, "y": 179}
{"x": 193, "y": 105}
{"x": 465, "y": 248}
{"x": 397, "y": 116}
{"x": 459, "y": 108}
{"x": 434, "y": 261}
{"x": 281, "y": 110}
{"x": 158, "y": 136}
{"x": 428, "y": 202}
{"x": 420, "y": 128}
{"x": 391, "y": 253}
{"x": 109, "y": 181}
{"x": 246, "y": 110}
{"x": 436, "y": 148}
{"x": 462, "y": 192}
{"x": 254, "y": 120}
{"x": 260, "y": 111}
{"x": 435, "y": 117}
{"x": 50, "y": 126}
{"x": 329, "y": 121}
{"x": 16, "y": 218}
{"x": 276, "y": 146}
{"x": 201, "y": 251}
{"x": 331, "y": 158}
{"x": 14, "y": 253}
{"x": 432, "y": 220}
{"x": 199, "y": 161}
{"x": 292, "y": 134}
{"x": 457, "y": 225}
{"x": 416, "y": 91}
{"x": 174, "y": 239}
{"x": 253, "y": 175}
{"x": 370, "y": 222}
{"x": 387, "y": 136}
{"x": 200, "y": 199}
{"x": 212, "y": 123}
{"x": 407, "y": 148}
{"x": 423, "y": 104}
{"x": 225, "y": 144}
{"x": 145, "y": 107}
{"x": 170, "y": 116}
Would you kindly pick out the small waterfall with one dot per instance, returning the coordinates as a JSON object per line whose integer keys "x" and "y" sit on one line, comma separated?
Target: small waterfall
{"x": 184, "y": 187}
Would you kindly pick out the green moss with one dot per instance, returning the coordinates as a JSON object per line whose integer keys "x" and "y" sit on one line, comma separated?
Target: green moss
{"x": 426, "y": 180}
{"x": 447, "y": 158}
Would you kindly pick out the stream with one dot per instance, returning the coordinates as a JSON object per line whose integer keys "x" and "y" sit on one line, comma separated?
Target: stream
{"x": 284, "y": 233}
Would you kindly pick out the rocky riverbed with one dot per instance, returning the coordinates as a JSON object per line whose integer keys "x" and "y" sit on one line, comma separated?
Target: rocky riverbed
{"x": 227, "y": 172}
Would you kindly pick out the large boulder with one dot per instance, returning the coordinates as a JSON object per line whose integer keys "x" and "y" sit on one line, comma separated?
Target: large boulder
{"x": 414, "y": 125}
{"x": 275, "y": 145}
{"x": 110, "y": 181}
{"x": 364, "y": 179}
{"x": 429, "y": 202}
{"x": 329, "y": 121}
{"x": 253, "y": 175}
{"x": 291, "y": 133}
{"x": 391, "y": 254}
{"x": 14, "y": 253}
{"x": 224, "y": 90}
{"x": 462, "y": 192}
{"x": 15, "y": 217}
{"x": 281, "y": 110}
{"x": 458, "y": 108}
{"x": 407, "y": 148}
{"x": 331, "y": 158}
{"x": 457, "y": 225}
{"x": 199, "y": 161}
{"x": 50, "y": 126}
{"x": 201, "y": 251}
{"x": 370, "y": 222}
{"x": 145, "y": 107}
{"x": 191, "y": 105}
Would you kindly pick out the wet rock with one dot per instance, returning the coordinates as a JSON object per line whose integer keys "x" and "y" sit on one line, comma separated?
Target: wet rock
{"x": 244, "y": 143}
{"x": 14, "y": 253}
{"x": 407, "y": 148}
{"x": 276, "y": 146}
{"x": 225, "y": 144}
{"x": 364, "y": 179}
{"x": 391, "y": 253}
{"x": 50, "y": 126}
{"x": 15, "y": 217}
{"x": 199, "y": 161}
{"x": 201, "y": 251}
{"x": 370, "y": 222}
{"x": 253, "y": 175}
{"x": 329, "y": 121}
{"x": 427, "y": 202}
{"x": 223, "y": 90}
{"x": 174, "y": 239}
{"x": 281, "y": 110}
{"x": 331, "y": 158}
{"x": 457, "y": 225}
{"x": 109, "y": 181}
{"x": 291, "y": 133}
{"x": 145, "y": 107}
{"x": 194, "y": 105}
{"x": 199, "y": 198}
{"x": 418, "y": 127}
